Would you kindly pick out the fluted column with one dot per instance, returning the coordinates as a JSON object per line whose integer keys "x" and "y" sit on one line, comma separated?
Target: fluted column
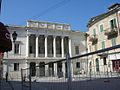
{"x": 54, "y": 46}
{"x": 55, "y": 69}
{"x": 46, "y": 70}
{"x": 37, "y": 36}
{"x": 46, "y": 46}
{"x": 63, "y": 69}
{"x": 62, "y": 45}
{"x": 27, "y": 45}
{"x": 70, "y": 52}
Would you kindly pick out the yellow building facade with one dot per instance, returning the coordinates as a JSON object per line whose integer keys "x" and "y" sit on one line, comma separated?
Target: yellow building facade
{"x": 104, "y": 32}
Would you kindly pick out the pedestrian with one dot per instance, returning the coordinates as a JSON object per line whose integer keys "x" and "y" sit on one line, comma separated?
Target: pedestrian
{"x": 6, "y": 76}
{"x": 24, "y": 78}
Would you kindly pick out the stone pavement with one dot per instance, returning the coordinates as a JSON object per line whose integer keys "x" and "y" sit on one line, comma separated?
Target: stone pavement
{"x": 97, "y": 84}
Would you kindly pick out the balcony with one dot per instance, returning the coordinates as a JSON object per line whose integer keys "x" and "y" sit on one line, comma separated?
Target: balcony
{"x": 110, "y": 33}
{"x": 93, "y": 39}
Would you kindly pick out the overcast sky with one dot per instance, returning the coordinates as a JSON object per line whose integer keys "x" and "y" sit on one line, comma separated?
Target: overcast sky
{"x": 74, "y": 12}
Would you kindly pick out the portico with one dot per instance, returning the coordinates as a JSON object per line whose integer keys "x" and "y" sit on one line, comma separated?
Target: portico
{"x": 47, "y": 46}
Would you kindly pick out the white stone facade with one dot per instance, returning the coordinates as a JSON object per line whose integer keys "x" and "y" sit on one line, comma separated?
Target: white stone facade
{"x": 42, "y": 42}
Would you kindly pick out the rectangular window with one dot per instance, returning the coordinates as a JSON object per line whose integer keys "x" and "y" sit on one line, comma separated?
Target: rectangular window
{"x": 30, "y": 49}
{"x": 101, "y": 28}
{"x": 97, "y": 64}
{"x": 113, "y": 41}
{"x": 103, "y": 44}
{"x": 104, "y": 61}
{"x": 16, "y": 48}
{"x": 77, "y": 64}
{"x": 94, "y": 32}
{"x": 76, "y": 49}
{"x": 113, "y": 23}
{"x": 16, "y": 66}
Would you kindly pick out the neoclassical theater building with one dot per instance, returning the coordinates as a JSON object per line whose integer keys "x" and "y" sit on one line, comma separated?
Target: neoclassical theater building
{"x": 42, "y": 42}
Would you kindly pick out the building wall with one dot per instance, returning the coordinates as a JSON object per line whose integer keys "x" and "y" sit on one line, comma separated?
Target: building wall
{"x": 33, "y": 28}
{"x": 105, "y": 21}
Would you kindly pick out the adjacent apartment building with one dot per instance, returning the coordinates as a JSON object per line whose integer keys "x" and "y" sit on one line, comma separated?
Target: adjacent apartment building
{"x": 39, "y": 43}
{"x": 104, "y": 32}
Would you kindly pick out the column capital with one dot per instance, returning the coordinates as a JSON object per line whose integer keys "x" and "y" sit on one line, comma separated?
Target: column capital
{"x": 69, "y": 37}
{"x": 28, "y": 34}
{"x": 45, "y": 35}
{"x": 62, "y": 36}
{"x": 37, "y": 35}
{"x": 54, "y": 36}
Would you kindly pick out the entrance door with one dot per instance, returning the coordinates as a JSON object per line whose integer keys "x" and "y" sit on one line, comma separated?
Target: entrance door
{"x": 51, "y": 69}
{"x": 42, "y": 68}
{"x": 66, "y": 71}
{"x": 59, "y": 69}
{"x": 97, "y": 64}
{"x": 116, "y": 65}
{"x": 33, "y": 68}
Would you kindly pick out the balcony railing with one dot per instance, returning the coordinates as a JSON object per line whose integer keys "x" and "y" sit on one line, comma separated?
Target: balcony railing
{"x": 93, "y": 39}
{"x": 111, "y": 32}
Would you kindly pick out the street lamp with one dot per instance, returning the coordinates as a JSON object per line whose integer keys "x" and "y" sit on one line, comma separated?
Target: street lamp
{"x": 14, "y": 36}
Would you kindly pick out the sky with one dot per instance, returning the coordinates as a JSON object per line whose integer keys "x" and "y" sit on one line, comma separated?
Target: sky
{"x": 77, "y": 13}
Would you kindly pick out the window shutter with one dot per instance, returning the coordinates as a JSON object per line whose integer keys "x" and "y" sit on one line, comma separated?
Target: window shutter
{"x": 101, "y": 28}
{"x": 114, "y": 23}
{"x": 103, "y": 45}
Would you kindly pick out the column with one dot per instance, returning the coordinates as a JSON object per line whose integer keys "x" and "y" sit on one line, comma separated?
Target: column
{"x": 37, "y": 69}
{"x": 55, "y": 69}
{"x": 70, "y": 52}
{"x": 27, "y": 66}
{"x": 37, "y": 36}
{"x": 46, "y": 70}
{"x": 54, "y": 46}
{"x": 46, "y": 46}
{"x": 62, "y": 45}
{"x": 72, "y": 69}
{"x": 27, "y": 46}
{"x": 63, "y": 69}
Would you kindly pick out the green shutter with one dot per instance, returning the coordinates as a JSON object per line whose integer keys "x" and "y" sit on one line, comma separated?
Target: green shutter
{"x": 103, "y": 44}
{"x": 113, "y": 41}
{"x": 94, "y": 32}
{"x": 114, "y": 23}
{"x": 101, "y": 28}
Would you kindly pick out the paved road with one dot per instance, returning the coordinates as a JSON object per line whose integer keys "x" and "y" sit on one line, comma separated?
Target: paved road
{"x": 97, "y": 84}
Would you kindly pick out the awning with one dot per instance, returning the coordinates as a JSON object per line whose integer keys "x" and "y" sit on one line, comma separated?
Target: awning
{"x": 5, "y": 41}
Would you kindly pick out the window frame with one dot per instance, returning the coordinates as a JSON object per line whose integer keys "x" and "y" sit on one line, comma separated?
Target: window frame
{"x": 103, "y": 44}
{"x": 16, "y": 66}
{"x": 101, "y": 28}
{"x": 77, "y": 64}
{"x": 113, "y": 23}
{"x": 16, "y": 48}
{"x": 77, "y": 50}
{"x": 113, "y": 41}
